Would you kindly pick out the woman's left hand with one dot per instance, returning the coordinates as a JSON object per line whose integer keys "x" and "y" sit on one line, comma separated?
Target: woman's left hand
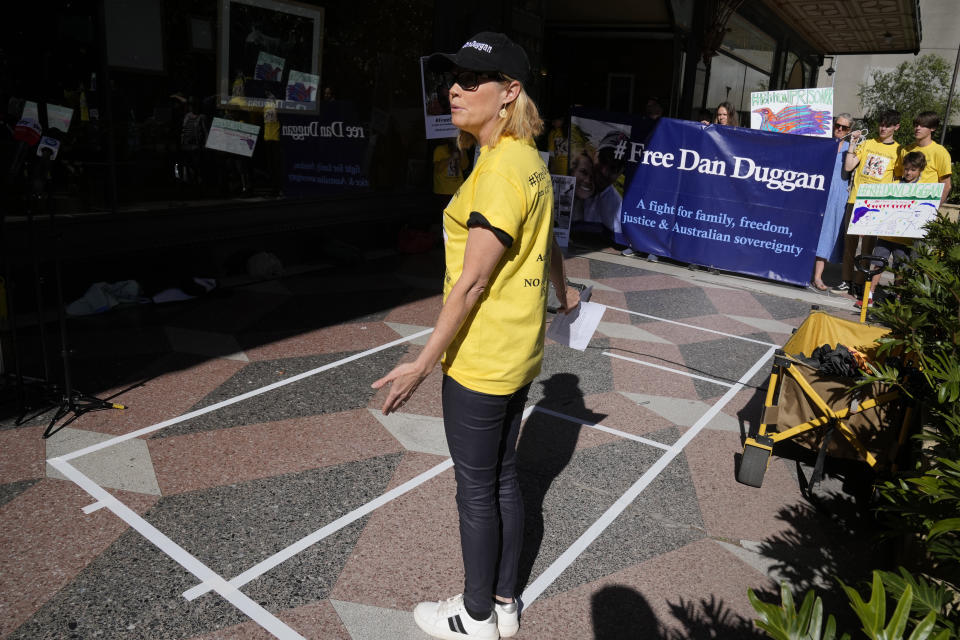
{"x": 570, "y": 299}
{"x": 403, "y": 380}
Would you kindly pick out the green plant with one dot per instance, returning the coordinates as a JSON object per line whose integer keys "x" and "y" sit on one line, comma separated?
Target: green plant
{"x": 921, "y": 84}
{"x": 920, "y": 356}
{"x": 784, "y": 622}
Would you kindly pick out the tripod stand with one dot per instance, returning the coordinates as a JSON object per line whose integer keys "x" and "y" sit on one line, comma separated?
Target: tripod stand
{"x": 65, "y": 398}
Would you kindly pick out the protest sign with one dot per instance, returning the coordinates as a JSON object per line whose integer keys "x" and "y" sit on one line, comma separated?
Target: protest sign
{"x": 302, "y": 87}
{"x": 801, "y": 111}
{"x": 436, "y": 104}
{"x": 324, "y": 153}
{"x": 563, "y": 187}
{"x": 728, "y": 197}
{"x": 232, "y": 136}
{"x": 895, "y": 209}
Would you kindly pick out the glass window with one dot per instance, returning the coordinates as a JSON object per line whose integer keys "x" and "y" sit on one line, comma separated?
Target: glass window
{"x": 732, "y": 81}
{"x": 792, "y": 72}
{"x": 750, "y": 44}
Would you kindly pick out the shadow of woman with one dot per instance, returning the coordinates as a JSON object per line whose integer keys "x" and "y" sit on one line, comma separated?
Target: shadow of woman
{"x": 544, "y": 449}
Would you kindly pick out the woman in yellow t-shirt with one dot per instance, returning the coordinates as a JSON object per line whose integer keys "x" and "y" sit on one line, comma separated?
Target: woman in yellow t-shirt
{"x": 500, "y": 254}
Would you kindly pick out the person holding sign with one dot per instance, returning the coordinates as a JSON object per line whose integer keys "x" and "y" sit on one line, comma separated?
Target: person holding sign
{"x": 830, "y": 230}
{"x": 897, "y": 249}
{"x": 500, "y": 254}
{"x": 875, "y": 161}
{"x": 938, "y": 165}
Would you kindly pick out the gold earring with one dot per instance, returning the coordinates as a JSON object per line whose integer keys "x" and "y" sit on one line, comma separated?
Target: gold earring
{"x": 503, "y": 112}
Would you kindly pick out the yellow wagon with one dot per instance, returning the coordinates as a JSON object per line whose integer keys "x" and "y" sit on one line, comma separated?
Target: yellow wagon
{"x": 822, "y": 411}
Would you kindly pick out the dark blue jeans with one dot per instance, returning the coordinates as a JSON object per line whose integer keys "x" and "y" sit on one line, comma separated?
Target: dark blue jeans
{"x": 482, "y": 432}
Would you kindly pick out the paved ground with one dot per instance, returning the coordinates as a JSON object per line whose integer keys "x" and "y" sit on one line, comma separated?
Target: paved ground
{"x": 253, "y": 487}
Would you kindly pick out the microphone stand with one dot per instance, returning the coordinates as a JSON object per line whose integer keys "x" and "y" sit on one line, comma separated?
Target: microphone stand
{"x": 71, "y": 400}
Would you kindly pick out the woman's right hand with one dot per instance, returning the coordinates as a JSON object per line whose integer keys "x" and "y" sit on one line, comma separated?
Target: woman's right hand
{"x": 403, "y": 381}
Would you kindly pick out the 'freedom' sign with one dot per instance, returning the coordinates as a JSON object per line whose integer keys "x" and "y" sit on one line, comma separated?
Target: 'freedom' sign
{"x": 727, "y": 197}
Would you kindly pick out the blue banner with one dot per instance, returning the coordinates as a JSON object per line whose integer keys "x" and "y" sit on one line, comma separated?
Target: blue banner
{"x": 324, "y": 152}
{"x": 728, "y": 197}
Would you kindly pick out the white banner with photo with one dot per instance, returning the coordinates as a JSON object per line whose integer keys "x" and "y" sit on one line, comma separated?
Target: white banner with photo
{"x": 436, "y": 104}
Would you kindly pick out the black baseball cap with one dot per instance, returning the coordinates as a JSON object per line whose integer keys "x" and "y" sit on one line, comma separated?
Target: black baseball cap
{"x": 486, "y": 51}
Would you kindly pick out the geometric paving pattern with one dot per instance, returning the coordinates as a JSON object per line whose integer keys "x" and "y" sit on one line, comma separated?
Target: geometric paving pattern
{"x": 238, "y": 485}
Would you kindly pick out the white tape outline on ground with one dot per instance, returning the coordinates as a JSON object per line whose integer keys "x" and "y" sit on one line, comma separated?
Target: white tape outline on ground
{"x": 281, "y": 556}
{"x": 663, "y": 368}
{"x": 212, "y": 581}
{"x": 177, "y": 553}
{"x": 693, "y": 326}
{"x": 243, "y": 396}
{"x": 545, "y": 579}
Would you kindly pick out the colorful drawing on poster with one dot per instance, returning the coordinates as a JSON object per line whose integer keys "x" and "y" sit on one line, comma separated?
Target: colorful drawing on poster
{"x": 269, "y": 67}
{"x": 302, "y": 87}
{"x": 806, "y": 112}
{"x": 895, "y": 209}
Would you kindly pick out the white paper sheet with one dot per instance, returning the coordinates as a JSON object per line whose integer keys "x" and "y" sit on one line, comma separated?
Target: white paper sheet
{"x": 576, "y": 328}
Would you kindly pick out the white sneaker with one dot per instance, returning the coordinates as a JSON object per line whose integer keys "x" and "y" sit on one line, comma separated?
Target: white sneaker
{"x": 449, "y": 619}
{"x": 508, "y": 618}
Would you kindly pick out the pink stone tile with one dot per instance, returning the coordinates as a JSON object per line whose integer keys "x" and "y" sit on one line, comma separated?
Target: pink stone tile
{"x": 422, "y": 312}
{"x": 343, "y": 337}
{"x": 413, "y": 464}
{"x": 626, "y": 415}
{"x": 739, "y": 303}
{"x": 612, "y": 299}
{"x": 700, "y": 577}
{"x": 409, "y": 551}
{"x": 732, "y": 510}
{"x": 679, "y": 334}
{"x": 22, "y": 454}
{"x": 167, "y": 396}
{"x": 225, "y": 456}
{"x": 654, "y": 282}
{"x": 46, "y": 540}
{"x": 636, "y": 378}
{"x": 577, "y": 268}
{"x": 317, "y": 620}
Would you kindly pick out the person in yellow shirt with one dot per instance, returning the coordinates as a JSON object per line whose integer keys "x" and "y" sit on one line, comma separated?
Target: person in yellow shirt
{"x": 875, "y": 160}
{"x": 448, "y": 162}
{"x": 500, "y": 254}
{"x": 938, "y": 167}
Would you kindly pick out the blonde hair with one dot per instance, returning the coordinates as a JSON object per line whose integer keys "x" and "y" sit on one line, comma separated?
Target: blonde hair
{"x": 523, "y": 121}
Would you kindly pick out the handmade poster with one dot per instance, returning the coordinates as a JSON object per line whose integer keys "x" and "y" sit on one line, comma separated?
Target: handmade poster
{"x": 728, "y": 197}
{"x": 269, "y": 67}
{"x": 57, "y": 117}
{"x": 436, "y": 104}
{"x": 806, "y": 112}
{"x": 563, "y": 187}
{"x": 895, "y": 209}
{"x": 302, "y": 87}
{"x": 231, "y": 136}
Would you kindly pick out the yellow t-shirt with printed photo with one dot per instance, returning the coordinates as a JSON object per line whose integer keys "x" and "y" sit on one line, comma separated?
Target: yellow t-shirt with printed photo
{"x": 499, "y": 347}
{"x": 879, "y": 162}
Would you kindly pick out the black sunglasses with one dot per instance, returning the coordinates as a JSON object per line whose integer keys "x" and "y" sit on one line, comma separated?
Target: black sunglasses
{"x": 842, "y": 127}
{"x": 470, "y": 80}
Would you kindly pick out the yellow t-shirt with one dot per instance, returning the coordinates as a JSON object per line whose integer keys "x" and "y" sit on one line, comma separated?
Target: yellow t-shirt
{"x": 447, "y": 169}
{"x": 938, "y": 161}
{"x": 558, "y": 146}
{"x": 499, "y": 347}
{"x": 878, "y": 163}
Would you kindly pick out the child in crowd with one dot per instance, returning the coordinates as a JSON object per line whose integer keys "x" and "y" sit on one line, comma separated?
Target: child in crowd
{"x": 937, "y": 157}
{"x": 875, "y": 161}
{"x": 896, "y": 250}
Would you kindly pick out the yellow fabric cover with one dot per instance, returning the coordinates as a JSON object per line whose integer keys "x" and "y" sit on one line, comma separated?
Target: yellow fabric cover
{"x": 821, "y": 328}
